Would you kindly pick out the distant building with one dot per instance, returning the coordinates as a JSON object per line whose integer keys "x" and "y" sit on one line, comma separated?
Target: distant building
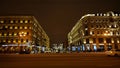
{"x": 21, "y": 31}
{"x": 96, "y": 32}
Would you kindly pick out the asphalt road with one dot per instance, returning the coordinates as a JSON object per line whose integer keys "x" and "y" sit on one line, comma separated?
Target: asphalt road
{"x": 69, "y": 60}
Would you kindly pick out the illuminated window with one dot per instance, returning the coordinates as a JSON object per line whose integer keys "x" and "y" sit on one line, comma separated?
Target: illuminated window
{"x": 26, "y": 21}
{"x": 1, "y": 21}
{"x": 0, "y": 34}
{"x": 25, "y": 27}
{"x": 15, "y": 34}
{"x": 24, "y": 41}
{"x": 30, "y": 27}
{"x": 14, "y": 41}
{"x": 29, "y": 21}
{"x": 11, "y": 27}
{"x": 5, "y": 34}
{"x": 6, "y": 26}
{"x": 16, "y": 27}
{"x": 10, "y": 34}
{"x": 21, "y": 27}
{"x": 9, "y": 41}
{"x": 21, "y": 21}
{"x": 11, "y": 21}
{"x": 4, "y": 40}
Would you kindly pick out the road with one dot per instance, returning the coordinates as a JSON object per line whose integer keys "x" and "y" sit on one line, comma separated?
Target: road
{"x": 65, "y": 60}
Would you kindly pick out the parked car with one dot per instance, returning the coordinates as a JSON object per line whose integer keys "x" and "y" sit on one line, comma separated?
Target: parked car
{"x": 113, "y": 52}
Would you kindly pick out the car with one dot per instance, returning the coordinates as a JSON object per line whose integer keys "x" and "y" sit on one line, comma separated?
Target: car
{"x": 113, "y": 52}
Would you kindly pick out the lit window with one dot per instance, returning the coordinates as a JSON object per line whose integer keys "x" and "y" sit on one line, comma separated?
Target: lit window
{"x": 110, "y": 26}
{"x": 25, "y": 27}
{"x": 21, "y": 21}
{"x": 15, "y": 34}
{"x": 10, "y": 34}
{"x": 11, "y": 21}
{"x": 5, "y": 34}
{"x": 30, "y": 27}
{"x": 6, "y": 26}
{"x": 0, "y": 34}
{"x": 86, "y": 28}
{"x": 9, "y": 41}
{"x": 1, "y": 21}
{"x": 115, "y": 25}
{"x": 24, "y": 41}
{"x": 26, "y": 21}
{"x": 21, "y": 27}
{"x": 16, "y": 27}
{"x": 14, "y": 41}
{"x": 11, "y": 27}
{"x": 4, "y": 40}
{"x": 90, "y": 32}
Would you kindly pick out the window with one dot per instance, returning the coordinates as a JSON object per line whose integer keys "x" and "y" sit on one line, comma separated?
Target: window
{"x": 0, "y": 34}
{"x": 87, "y": 40}
{"x": 100, "y": 40}
{"x": 21, "y": 27}
{"x": 16, "y": 27}
{"x": 11, "y": 27}
{"x": 1, "y": 21}
{"x": 21, "y": 21}
{"x": 10, "y": 34}
{"x": 14, "y": 41}
{"x": 24, "y": 41}
{"x": 11, "y": 21}
{"x": 26, "y": 21}
{"x": 27, "y": 33}
{"x": 5, "y": 34}
{"x": 6, "y": 26}
{"x": 4, "y": 40}
{"x": 9, "y": 41}
{"x": 30, "y": 27}
{"x": 94, "y": 40}
{"x": 91, "y": 32}
{"x": 25, "y": 27}
{"x": 108, "y": 40}
{"x": 1, "y": 27}
{"x": 15, "y": 34}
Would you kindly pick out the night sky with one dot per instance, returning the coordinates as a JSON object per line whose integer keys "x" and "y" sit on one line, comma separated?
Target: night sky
{"x": 57, "y": 17}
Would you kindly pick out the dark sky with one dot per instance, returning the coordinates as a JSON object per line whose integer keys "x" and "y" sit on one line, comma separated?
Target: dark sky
{"x": 57, "y": 17}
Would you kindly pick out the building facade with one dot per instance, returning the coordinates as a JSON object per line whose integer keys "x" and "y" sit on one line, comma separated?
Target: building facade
{"x": 21, "y": 32}
{"x": 96, "y": 32}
